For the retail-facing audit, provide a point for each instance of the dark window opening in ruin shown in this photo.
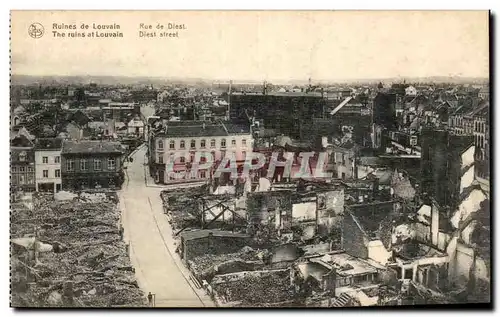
(408, 274)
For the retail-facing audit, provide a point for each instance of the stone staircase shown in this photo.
(342, 300)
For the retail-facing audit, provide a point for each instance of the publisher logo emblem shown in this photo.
(36, 30)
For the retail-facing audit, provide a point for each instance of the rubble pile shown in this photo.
(182, 208)
(88, 264)
(256, 289)
(205, 267)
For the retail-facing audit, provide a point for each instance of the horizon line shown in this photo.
(256, 80)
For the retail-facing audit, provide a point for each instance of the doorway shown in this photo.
(161, 176)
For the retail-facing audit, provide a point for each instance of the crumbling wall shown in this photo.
(422, 232)
(464, 258)
(353, 239)
(305, 211)
(378, 252)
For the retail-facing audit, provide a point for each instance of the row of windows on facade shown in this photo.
(45, 159)
(201, 174)
(182, 144)
(57, 173)
(203, 159)
(21, 180)
(479, 141)
(22, 169)
(70, 164)
(478, 126)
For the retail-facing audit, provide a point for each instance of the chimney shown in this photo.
(434, 224)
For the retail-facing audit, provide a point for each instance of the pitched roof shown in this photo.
(205, 130)
(80, 117)
(48, 144)
(20, 141)
(90, 147)
(480, 109)
(466, 106)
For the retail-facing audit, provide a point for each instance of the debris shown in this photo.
(63, 195)
(89, 265)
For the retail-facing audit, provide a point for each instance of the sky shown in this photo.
(258, 45)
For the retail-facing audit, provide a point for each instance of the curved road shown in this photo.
(158, 268)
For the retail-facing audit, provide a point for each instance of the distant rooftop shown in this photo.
(90, 147)
(281, 94)
(199, 129)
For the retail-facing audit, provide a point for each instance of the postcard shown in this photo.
(250, 159)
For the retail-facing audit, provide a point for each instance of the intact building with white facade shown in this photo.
(185, 138)
(48, 165)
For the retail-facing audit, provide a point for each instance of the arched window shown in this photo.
(233, 142)
(212, 143)
(172, 145)
(183, 144)
(193, 144)
(223, 143)
(202, 144)
(160, 145)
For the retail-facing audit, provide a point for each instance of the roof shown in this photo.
(79, 117)
(91, 147)
(48, 144)
(205, 130)
(283, 94)
(264, 133)
(22, 131)
(481, 109)
(467, 105)
(20, 141)
(199, 234)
